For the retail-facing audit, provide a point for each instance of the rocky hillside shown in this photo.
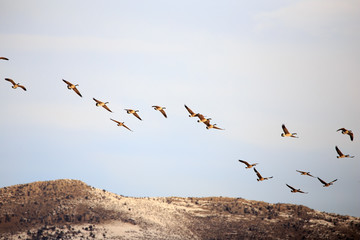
(70, 209)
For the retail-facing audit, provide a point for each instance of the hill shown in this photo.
(70, 209)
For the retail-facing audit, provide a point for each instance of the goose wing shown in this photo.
(189, 110)
(322, 181)
(67, 82)
(245, 162)
(106, 107)
(97, 100)
(115, 121)
(214, 126)
(136, 115)
(77, 91)
(285, 129)
(163, 112)
(302, 172)
(341, 129)
(126, 127)
(338, 151)
(10, 80)
(290, 187)
(200, 116)
(257, 173)
(21, 86)
(333, 181)
(351, 134)
(301, 191)
(4, 58)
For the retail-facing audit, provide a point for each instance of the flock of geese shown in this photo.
(206, 121)
(286, 133)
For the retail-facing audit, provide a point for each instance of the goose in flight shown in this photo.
(248, 165)
(348, 132)
(192, 114)
(294, 190)
(121, 124)
(133, 112)
(4, 58)
(305, 173)
(209, 125)
(286, 133)
(72, 86)
(161, 109)
(341, 155)
(202, 118)
(260, 178)
(325, 183)
(15, 85)
(102, 104)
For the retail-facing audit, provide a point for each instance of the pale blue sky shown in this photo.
(250, 66)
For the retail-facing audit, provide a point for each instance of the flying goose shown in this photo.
(72, 86)
(161, 109)
(192, 114)
(260, 178)
(102, 104)
(294, 190)
(286, 133)
(15, 85)
(209, 125)
(202, 118)
(325, 183)
(341, 155)
(121, 124)
(305, 173)
(134, 112)
(348, 132)
(247, 164)
(4, 58)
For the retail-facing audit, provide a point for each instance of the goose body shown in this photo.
(209, 125)
(133, 112)
(305, 173)
(348, 132)
(341, 155)
(260, 178)
(161, 109)
(121, 124)
(192, 114)
(15, 85)
(286, 132)
(102, 104)
(294, 190)
(248, 165)
(327, 184)
(73, 87)
(202, 118)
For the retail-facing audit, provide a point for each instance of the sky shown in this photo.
(251, 66)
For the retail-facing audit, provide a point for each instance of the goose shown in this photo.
(247, 164)
(15, 85)
(294, 190)
(341, 155)
(102, 104)
(286, 133)
(305, 173)
(325, 183)
(4, 58)
(260, 178)
(209, 125)
(192, 114)
(72, 86)
(202, 118)
(161, 109)
(121, 124)
(134, 112)
(348, 132)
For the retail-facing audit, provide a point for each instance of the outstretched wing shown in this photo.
(341, 129)
(163, 112)
(4, 58)
(106, 107)
(21, 86)
(115, 121)
(77, 91)
(214, 126)
(189, 110)
(67, 82)
(300, 172)
(257, 173)
(322, 181)
(126, 127)
(338, 151)
(290, 187)
(136, 115)
(97, 100)
(245, 162)
(333, 181)
(10, 80)
(285, 129)
(351, 134)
